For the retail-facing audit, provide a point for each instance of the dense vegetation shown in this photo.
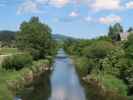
(24, 55)
(17, 62)
(7, 38)
(106, 60)
(36, 38)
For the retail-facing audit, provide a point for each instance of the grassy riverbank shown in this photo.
(99, 86)
(12, 81)
(106, 65)
(29, 54)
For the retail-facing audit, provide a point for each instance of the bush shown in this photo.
(98, 49)
(17, 61)
(111, 83)
(83, 65)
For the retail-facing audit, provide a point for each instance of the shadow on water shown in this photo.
(40, 89)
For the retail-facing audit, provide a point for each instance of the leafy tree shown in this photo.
(35, 37)
(114, 32)
(130, 30)
(128, 46)
(98, 49)
(7, 37)
(116, 63)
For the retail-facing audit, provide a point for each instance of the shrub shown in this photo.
(98, 49)
(50, 59)
(111, 83)
(84, 66)
(17, 61)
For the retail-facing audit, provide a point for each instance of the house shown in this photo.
(124, 35)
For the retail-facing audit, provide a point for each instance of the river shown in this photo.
(62, 84)
(64, 80)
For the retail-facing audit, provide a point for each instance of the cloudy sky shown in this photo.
(78, 18)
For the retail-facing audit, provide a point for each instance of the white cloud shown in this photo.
(32, 6)
(42, 1)
(81, 1)
(73, 14)
(130, 5)
(106, 5)
(28, 7)
(110, 19)
(59, 3)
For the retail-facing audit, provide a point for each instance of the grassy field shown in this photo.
(6, 51)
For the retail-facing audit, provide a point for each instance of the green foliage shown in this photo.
(35, 37)
(116, 63)
(114, 32)
(17, 78)
(100, 55)
(130, 30)
(6, 51)
(7, 38)
(17, 61)
(83, 65)
(112, 83)
(98, 49)
(128, 46)
(112, 62)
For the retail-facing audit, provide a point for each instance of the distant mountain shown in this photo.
(7, 35)
(60, 37)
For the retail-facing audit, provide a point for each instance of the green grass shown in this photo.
(5, 51)
(6, 76)
(81, 65)
(111, 83)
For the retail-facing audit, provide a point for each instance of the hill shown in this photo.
(7, 36)
(60, 37)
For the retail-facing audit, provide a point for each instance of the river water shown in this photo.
(61, 84)
(64, 80)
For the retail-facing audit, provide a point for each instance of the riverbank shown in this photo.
(13, 81)
(98, 86)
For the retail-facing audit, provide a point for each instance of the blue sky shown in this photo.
(78, 18)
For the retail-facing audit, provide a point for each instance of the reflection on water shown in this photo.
(62, 85)
(64, 81)
(39, 90)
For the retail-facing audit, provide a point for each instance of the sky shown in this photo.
(77, 18)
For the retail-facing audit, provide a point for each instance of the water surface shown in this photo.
(62, 84)
(64, 80)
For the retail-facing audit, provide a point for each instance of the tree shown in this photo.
(128, 46)
(114, 32)
(7, 38)
(98, 49)
(35, 37)
(130, 30)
